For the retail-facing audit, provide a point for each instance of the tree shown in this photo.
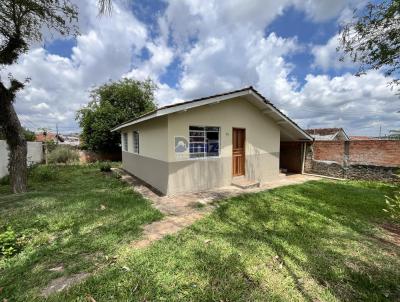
(21, 23)
(28, 134)
(394, 134)
(112, 104)
(372, 38)
(105, 7)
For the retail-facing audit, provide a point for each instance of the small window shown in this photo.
(125, 141)
(203, 141)
(136, 142)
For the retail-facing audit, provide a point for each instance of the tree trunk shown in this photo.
(15, 138)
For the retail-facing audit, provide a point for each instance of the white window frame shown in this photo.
(125, 142)
(135, 142)
(205, 156)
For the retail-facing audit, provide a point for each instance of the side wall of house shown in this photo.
(151, 163)
(262, 146)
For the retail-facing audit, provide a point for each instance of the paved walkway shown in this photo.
(183, 210)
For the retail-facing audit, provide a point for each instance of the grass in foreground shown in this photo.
(319, 241)
(78, 218)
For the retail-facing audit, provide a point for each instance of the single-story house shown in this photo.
(48, 136)
(328, 134)
(212, 142)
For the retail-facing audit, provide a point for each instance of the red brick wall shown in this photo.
(368, 152)
(329, 150)
(375, 152)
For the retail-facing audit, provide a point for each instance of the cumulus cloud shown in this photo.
(326, 56)
(218, 46)
(59, 85)
(359, 104)
(323, 10)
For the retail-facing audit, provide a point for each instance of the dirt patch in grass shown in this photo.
(393, 231)
(62, 283)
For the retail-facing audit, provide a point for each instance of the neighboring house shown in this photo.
(71, 140)
(210, 142)
(48, 136)
(328, 134)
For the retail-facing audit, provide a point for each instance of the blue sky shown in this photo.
(192, 48)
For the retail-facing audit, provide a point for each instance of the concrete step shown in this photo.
(244, 183)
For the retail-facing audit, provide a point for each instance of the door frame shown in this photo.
(244, 151)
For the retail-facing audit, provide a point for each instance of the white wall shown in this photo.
(35, 155)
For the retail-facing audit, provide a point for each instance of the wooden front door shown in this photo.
(238, 151)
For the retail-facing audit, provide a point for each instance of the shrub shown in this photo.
(393, 205)
(42, 173)
(5, 181)
(116, 175)
(9, 245)
(105, 166)
(63, 154)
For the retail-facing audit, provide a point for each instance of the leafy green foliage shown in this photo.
(5, 180)
(394, 134)
(112, 104)
(393, 206)
(372, 38)
(8, 243)
(63, 155)
(105, 167)
(28, 134)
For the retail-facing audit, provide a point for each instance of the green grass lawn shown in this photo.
(78, 217)
(319, 241)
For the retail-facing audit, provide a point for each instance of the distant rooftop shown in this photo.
(328, 134)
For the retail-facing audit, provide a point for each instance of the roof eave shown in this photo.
(216, 99)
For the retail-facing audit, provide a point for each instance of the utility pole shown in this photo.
(380, 131)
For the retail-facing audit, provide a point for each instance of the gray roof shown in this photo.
(294, 131)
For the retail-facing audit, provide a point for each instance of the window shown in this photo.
(125, 141)
(203, 141)
(136, 142)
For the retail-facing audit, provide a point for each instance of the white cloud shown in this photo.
(221, 45)
(323, 10)
(104, 51)
(161, 56)
(327, 57)
(40, 106)
(359, 104)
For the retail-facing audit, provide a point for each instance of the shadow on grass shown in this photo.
(310, 242)
(76, 221)
(323, 221)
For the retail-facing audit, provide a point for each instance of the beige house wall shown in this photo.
(158, 164)
(153, 138)
(262, 146)
(150, 164)
(152, 171)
